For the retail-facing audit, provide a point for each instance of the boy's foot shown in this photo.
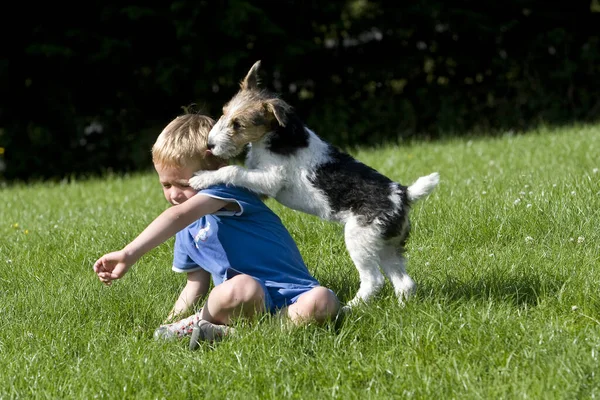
(208, 332)
(164, 333)
(177, 329)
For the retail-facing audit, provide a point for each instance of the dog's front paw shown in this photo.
(225, 175)
(203, 179)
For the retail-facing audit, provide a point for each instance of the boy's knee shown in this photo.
(325, 300)
(243, 289)
(239, 296)
(318, 304)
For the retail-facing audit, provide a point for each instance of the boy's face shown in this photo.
(174, 181)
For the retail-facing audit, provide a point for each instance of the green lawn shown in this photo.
(506, 253)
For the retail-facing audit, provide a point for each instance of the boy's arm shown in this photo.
(114, 265)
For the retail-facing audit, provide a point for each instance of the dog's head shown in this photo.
(250, 115)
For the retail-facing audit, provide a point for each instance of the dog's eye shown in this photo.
(235, 124)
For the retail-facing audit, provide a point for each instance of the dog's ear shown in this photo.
(251, 80)
(279, 109)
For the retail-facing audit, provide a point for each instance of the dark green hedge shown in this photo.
(87, 88)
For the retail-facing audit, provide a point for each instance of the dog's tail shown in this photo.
(423, 186)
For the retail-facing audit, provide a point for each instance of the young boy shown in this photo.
(224, 232)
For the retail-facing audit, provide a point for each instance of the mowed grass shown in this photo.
(506, 254)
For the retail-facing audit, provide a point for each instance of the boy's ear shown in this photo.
(279, 109)
(251, 80)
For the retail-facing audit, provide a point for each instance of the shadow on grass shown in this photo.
(518, 288)
(523, 290)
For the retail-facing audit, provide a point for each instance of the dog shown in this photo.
(290, 163)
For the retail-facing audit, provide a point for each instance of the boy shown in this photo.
(224, 232)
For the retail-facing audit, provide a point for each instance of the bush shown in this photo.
(90, 93)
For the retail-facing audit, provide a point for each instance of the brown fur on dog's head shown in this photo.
(251, 81)
(250, 114)
(253, 104)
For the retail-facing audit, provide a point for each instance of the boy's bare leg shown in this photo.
(173, 327)
(240, 296)
(197, 286)
(318, 304)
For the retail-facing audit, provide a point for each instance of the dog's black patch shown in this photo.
(288, 139)
(397, 224)
(353, 186)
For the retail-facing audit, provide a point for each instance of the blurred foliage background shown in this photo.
(88, 87)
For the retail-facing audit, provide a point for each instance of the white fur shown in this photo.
(287, 179)
(423, 186)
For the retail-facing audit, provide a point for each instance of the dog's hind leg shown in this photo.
(393, 265)
(363, 244)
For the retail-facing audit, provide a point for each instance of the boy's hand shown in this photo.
(112, 266)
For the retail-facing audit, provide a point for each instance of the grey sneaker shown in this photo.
(164, 333)
(208, 332)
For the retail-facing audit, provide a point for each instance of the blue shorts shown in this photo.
(277, 298)
(277, 294)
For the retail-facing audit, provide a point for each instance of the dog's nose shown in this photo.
(210, 146)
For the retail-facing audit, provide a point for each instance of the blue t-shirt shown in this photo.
(252, 241)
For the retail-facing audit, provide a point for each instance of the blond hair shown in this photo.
(183, 143)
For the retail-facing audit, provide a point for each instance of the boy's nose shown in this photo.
(176, 196)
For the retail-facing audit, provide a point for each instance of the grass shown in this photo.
(505, 252)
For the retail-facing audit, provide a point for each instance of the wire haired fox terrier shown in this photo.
(289, 162)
